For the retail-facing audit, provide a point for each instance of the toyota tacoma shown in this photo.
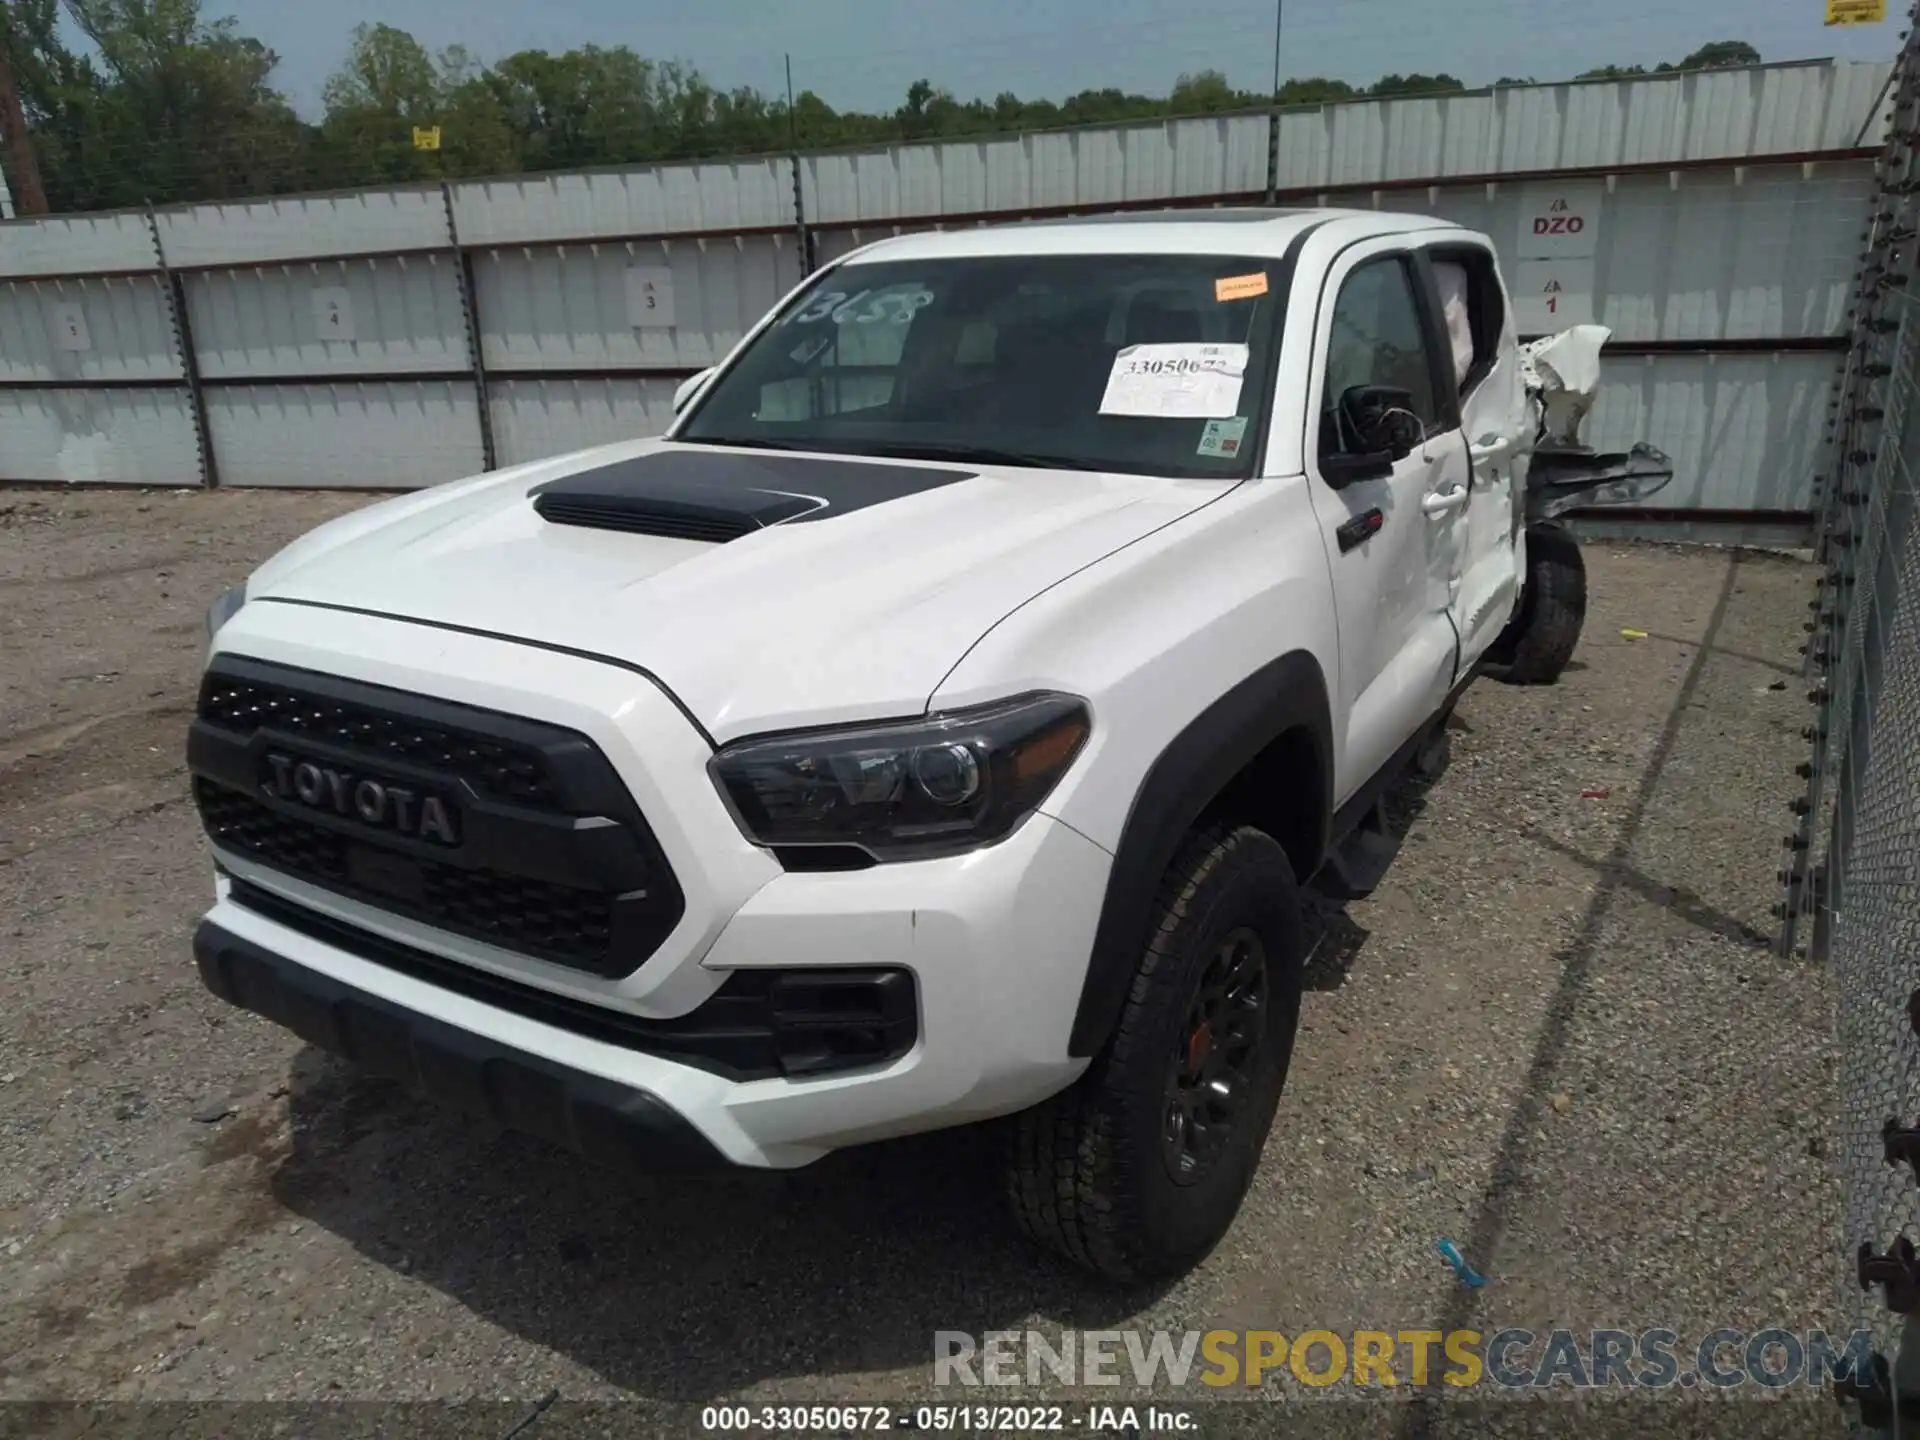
(949, 719)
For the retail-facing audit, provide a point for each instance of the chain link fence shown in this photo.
(1852, 871)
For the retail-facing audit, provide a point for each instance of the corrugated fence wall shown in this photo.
(397, 338)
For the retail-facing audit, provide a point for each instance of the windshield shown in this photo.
(1151, 364)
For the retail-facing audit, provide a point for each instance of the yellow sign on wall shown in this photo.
(1856, 12)
(428, 137)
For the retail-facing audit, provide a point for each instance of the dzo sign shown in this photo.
(1559, 222)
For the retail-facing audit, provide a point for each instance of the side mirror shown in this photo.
(1340, 471)
(1373, 427)
(1380, 418)
(688, 388)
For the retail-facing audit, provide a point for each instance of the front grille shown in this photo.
(757, 1025)
(554, 922)
(509, 772)
(544, 852)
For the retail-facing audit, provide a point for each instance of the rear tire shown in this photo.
(1541, 638)
(1137, 1171)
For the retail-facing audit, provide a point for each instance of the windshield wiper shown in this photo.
(979, 454)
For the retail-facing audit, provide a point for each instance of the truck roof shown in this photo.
(1227, 231)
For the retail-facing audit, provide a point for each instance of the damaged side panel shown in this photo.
(1562, 376)
(1566, 479)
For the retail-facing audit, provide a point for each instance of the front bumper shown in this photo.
(996, 942)
(612, 1124)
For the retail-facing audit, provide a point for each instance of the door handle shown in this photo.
(1359, 529)
(1441, 501)
(1491, 447)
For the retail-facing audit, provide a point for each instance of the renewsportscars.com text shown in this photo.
(1510, 1359)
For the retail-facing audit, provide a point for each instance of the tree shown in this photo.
(183, 106)
(23, 165)
(1316, 91)
(388, 71)
(585, 107)
(1390, 86)
(1205, 94)
(389, 87)
(816, 124)
(1720, 55)
(167, 106)
(913, 114)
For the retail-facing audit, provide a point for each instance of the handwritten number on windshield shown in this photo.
(890, 308)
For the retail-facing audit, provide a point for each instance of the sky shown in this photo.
(862, 54)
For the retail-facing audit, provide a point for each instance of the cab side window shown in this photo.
(1378, 344)
(1473, 310)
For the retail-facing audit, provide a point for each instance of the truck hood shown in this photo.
(821, 588)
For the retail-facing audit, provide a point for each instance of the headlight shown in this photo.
(908, 790)
(225, 608)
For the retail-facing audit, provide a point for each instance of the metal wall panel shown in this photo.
(655, 200)
(830, 245)
(1773, 110)
(402, 435)
(296, 227)
(567, 308)
(76, 245)
(349, 317)
(533, 419)
(125, 437)
(106, 328)
(1700, 255)
(1744, 431)
(1772, 256)
(1753, 253)
(1162, 160)
(1799, 107)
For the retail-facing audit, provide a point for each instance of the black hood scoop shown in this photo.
(715, 495)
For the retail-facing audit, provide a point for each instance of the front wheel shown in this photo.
(1541, 638)
(1138, 1170)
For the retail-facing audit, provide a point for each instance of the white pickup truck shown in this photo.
(939, 724)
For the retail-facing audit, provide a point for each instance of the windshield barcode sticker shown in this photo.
(1176, 382)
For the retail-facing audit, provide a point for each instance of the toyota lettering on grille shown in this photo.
(378, 803)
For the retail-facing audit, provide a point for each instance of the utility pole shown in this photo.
(793, 121)
(28, 196)
(800, 230)
(1273, 113)
(1278, 7)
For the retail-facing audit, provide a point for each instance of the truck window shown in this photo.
(1377, 339)
(1149, 363)
(1470, 300)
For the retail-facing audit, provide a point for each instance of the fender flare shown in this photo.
(1287, 694)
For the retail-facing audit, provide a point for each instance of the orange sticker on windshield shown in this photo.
(1240, 287)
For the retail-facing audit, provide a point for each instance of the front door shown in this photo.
(1483, 368)
(1395, 540)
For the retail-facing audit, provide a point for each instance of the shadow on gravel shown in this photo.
(679, 1288)
(1508, 1182)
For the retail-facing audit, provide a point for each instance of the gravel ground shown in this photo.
(1555, 1035)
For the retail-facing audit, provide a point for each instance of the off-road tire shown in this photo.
(1541, 638)
(1088, 1176)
